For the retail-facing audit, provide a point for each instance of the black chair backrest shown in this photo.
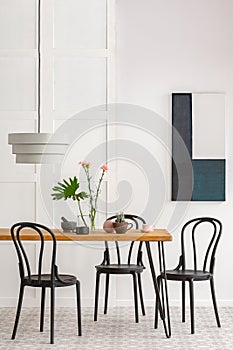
(24, 262)
(215, 230)
(135, 220)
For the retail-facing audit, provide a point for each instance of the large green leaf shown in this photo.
(67, 189)
(82, 195)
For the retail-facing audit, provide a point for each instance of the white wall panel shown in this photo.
(90, 146)
(79, 24)
(77, 67)
(79, 83)
(90, 137)
(17, 24)
(18, 200)
(17, 84)
(9, 271)
(208, 111)
(10, 171)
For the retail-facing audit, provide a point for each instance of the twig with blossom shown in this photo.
(93, 198)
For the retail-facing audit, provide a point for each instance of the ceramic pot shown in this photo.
(122, 227)
(108, 226)
(82, 230)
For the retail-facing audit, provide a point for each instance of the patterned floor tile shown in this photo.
(117, 330)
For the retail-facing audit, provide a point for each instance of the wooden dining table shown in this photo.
(157, 235)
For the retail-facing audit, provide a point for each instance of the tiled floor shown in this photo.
(117, 330)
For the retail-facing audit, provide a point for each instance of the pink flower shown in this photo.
(84, 163)
(104, 168)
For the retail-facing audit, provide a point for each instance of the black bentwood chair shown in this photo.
(182, 274)
(107, 268)
(43, 281)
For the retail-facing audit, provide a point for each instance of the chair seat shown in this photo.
(120, 269)
(46, 281)
(182, 275)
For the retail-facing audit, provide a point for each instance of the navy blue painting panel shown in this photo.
(209, 180)
(175, 182)
(181, 158)
(182, 119)
(182, 181)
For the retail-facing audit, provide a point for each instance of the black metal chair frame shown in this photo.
(41, 280)
(180, 273)
(107, 268)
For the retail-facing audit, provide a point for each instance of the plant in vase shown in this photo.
(120, 225)
(68, 189)
(93, 195)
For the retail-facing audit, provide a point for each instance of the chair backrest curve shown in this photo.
(209, 257)
(135, 219)
(24, 261)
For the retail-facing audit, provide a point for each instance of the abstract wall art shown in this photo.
(198, 147)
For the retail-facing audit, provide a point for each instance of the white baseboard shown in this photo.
(12, 302)
(60, 302)
(204, 303)
(89, 302)
(176, 302)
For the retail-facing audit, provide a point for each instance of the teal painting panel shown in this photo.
(209, 179)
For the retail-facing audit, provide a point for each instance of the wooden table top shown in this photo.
(157, 235)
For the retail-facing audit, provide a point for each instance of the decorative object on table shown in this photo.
(133, 269)
(50, 280)
(68, 190)
(38, 148)
(147, 228)
(200, 266)
(68, 226)
(120, 225)
(82, 230)
(198, 147)
(93, 195)
(108, 227)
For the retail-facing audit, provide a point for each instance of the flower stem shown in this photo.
(86, 169)
(81, 213)
(92, 218)
(92, 198)
(98, 188)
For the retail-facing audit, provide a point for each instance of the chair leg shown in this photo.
(20, 301)
(191, 305)
(141, 294)
(79, 308)
(214, 302)
(52, 315)
(135, 297)
(157, 305)
(106, 293)
(96, 295)
(42, 309)
(183, 301)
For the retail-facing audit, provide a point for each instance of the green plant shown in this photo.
(120, 217)
(68, 190)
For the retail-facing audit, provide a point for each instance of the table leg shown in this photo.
(161, 304)
(164, 289)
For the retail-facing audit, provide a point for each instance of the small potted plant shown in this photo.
(120, 225)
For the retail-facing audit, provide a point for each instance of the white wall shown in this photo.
(162, 46)
(179, 45)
